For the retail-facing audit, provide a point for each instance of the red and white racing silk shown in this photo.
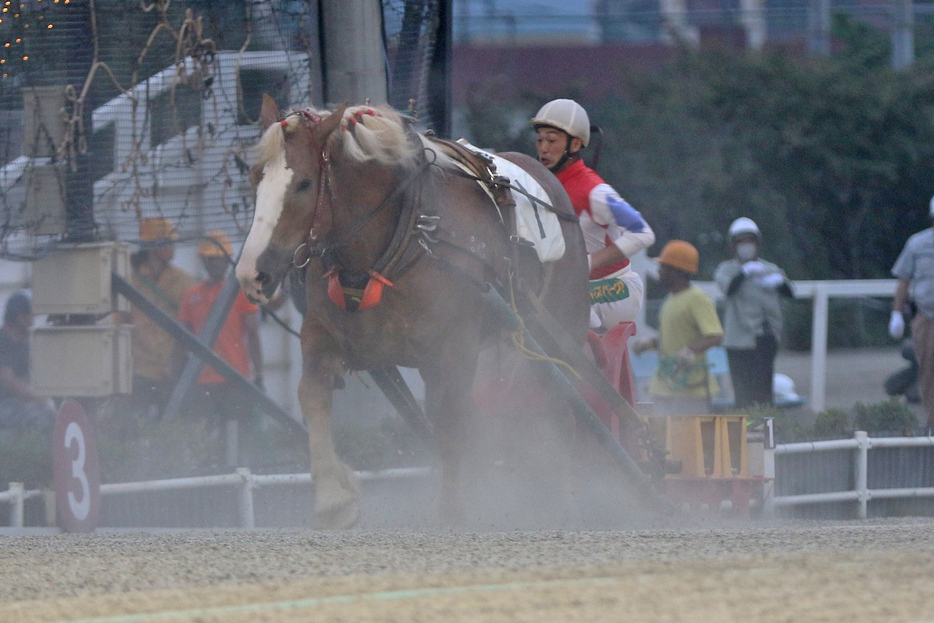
(605, 217)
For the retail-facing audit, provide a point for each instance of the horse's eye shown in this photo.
(303, 186)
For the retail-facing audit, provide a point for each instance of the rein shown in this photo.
(355, 289)
(324, 180)
(572, 218)
(397, 191)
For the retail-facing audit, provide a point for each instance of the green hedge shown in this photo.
(26, 458)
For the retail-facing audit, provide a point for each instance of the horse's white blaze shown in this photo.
(270, 200)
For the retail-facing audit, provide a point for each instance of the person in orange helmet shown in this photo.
(687, 326)
(238, 343)
(163, 283)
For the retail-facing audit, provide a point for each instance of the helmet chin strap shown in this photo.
(567, 155)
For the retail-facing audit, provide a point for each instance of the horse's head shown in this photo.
(287, 178)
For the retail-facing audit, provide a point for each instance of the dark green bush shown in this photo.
(26, 458)
(165, 449)
(832, 423)
(890, 416)
(851, 323)
(788, 427)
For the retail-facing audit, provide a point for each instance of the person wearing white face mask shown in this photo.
(752, 324)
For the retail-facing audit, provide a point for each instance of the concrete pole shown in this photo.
(819, 350)
(79, 211)
(675, 26)
(819, 27)
(903, 35)
(354, 62)
(752, 16)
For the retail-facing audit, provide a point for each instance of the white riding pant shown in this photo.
(616, 298)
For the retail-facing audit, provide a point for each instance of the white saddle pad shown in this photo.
(535, 222)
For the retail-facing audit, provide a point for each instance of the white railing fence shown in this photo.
(857, 490)
(242, 480)
(861, 494)
(16, 496)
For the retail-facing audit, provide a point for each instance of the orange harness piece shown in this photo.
(356, 299)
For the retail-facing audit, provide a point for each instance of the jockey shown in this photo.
(613, 230)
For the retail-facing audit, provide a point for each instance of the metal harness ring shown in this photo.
(295, 255)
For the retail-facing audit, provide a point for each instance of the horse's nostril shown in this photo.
(262, 277)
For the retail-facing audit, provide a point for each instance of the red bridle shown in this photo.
(372, 293)
(324, 164)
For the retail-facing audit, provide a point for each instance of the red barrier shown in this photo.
(611, 354)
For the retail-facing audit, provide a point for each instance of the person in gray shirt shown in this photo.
(752, 324)
(914, 270)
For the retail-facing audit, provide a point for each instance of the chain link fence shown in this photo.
(112, 111)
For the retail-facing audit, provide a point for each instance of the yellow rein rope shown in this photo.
(518, 338)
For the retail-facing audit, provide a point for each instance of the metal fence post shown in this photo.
(17, 499)
(245, 498)
(819, 349)
(768, 467)
(861, 468)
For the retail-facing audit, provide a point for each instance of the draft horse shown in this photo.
(394, 242)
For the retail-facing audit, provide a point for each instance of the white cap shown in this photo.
(565, 115)
(744, 225)
(783, 387)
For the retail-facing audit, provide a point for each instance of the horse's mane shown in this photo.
(367, 134)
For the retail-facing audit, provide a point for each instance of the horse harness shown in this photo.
(415, 233)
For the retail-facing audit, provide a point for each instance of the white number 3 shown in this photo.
(79, 508)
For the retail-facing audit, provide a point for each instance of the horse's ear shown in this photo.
(329, 124)
(269, 113)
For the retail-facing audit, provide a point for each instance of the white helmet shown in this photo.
(744, 225)
(565, 115)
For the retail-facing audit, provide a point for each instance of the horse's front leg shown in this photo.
(336, 492)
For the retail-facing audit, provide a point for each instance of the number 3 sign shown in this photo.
(77, 470)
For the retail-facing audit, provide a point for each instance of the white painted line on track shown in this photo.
(297, 604)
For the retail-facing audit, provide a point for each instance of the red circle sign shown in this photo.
(77, 470)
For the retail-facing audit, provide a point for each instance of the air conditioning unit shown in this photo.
(77, 279)
(43, 126)
(91, 360)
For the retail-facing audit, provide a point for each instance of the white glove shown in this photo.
(755, 267)
(896, 325)
(595, 322)
(686, 357)
(640, 345)
(770, 281)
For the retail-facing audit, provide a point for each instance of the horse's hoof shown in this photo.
(339, 517)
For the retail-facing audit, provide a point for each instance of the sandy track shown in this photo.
(875, 571)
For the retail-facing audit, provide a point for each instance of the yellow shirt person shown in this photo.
(688, 326)
(685, 318)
